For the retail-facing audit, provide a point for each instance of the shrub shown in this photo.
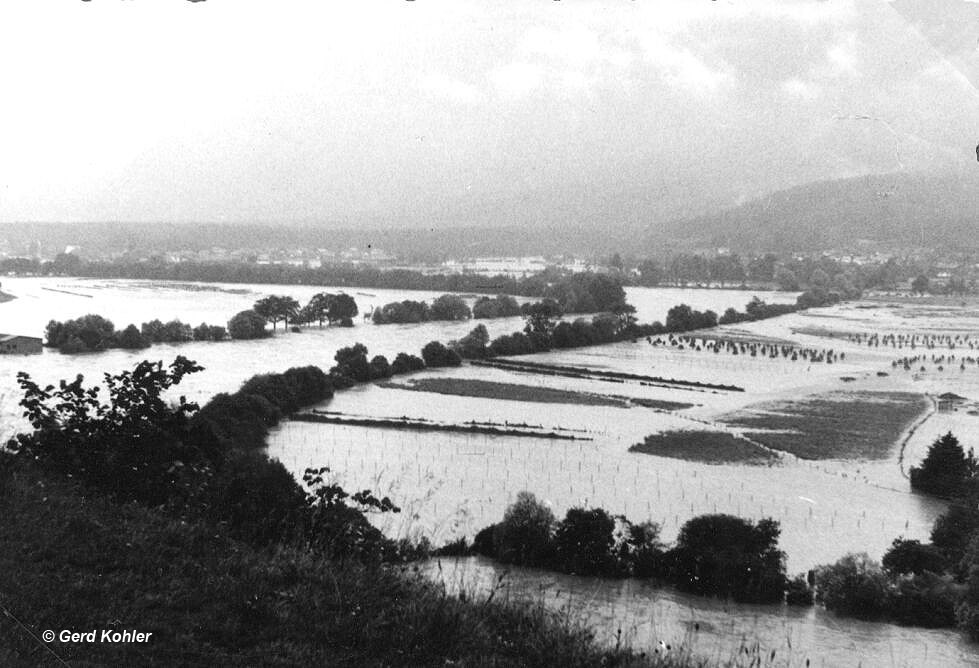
(911, 557)
(500, 306)
(352, 363)
(247, 325)
(131, 339)
(798, 592)
(379, 367)
(583, 542)
(728, 556)
(954, 529)
(474, 344)
(855, 586)
(524, 535)
(405, 363)
(449, 307)
(88, 333)
(435, 355)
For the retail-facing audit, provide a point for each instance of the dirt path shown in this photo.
(912, 429)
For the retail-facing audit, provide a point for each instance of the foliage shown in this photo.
(277, 307)
(911, 557)
(682, 318)
(132, 339)
(855, 586)
(88, 333)
(406, 311)
(946, 470)
(728, 556)
(500, 306)
(405, 363)
(954, 529)
(435, 355)
(247, 325)
(474, 344)
(131, 447)
(352, 363)
(524, 535)
(449, 307)
(583, 542)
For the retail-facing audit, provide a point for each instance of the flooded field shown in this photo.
(829, 500)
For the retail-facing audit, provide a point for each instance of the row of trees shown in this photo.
(93, 333)
(322, 307)
(445, 307)
(717, 555)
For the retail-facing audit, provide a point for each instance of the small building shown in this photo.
(13, 344)
(948, 401)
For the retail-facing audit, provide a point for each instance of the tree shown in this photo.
(650, 272)
(247, 325)
(728, 556)
(946, 470)
(954, 529)
(855, 586)
(404, 363)
(910, 556)
(131, 339)
(540, 316)
(583, 542)
(352, 363)
(277, 307)
(920, 284)
(473, 345)
(342, 308)
(379, 367)
(449, 307)
(435, 355)
(786, 279)
(524, 535)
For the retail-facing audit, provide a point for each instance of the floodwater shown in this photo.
(452, 484)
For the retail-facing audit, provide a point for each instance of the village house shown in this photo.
(13, 344)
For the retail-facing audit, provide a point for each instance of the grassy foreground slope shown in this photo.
(71, 561)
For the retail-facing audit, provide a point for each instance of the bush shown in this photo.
(524, 535)
(379, 368)
(473, 345)
(728, 556)
(583, 542)
(88, 333)
(405, 363)
(449, 307)
(435, 355)
(401, 312)
(798, 592)
(954, 529)
(352, 363)
(911, 557)
(247, 325)
(131, 339)
(855, 586)
(501, 306)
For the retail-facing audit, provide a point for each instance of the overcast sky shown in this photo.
(240, 110)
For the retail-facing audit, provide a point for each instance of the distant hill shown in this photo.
(893, 210)
(900, 210)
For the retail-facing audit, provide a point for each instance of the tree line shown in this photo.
(714, 555)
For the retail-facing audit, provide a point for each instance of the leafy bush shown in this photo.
(131, 447)
(379, 367)
(88, 333)
(449, 307)
(728, 556)
(524, 535)
(911, 557)
(500, 306)
(473, 345)
(247, 325)
(435, 355)
(401, 312)
(132, 339)
(583, 542)
(405, 363)
(855, 586)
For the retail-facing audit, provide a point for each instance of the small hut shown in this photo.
(948, 401)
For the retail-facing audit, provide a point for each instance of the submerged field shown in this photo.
(839, 425)
(484, 389)
(709, 447)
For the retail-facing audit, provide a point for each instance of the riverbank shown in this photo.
(210, 600)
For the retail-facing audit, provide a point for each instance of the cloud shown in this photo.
(517, 79)
(451, 89)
